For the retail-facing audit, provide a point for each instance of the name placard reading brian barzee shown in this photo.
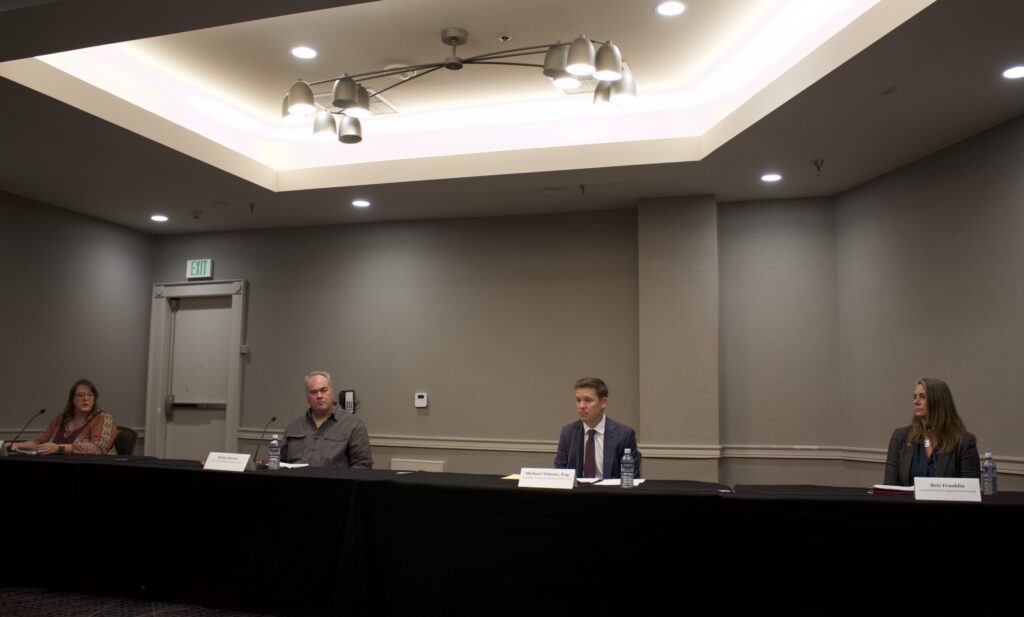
(226, 461)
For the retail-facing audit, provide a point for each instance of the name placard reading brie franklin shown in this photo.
(534, 477)
(226, 461)
(947, 489)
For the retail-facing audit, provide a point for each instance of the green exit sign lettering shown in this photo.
(198, 269)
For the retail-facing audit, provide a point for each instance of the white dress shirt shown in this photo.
(598, 447)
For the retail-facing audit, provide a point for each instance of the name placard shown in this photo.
(534, 477)
(947, 489)
(226, 461)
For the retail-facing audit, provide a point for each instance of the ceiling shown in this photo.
(865, 86)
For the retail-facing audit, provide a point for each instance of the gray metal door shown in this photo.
(199, 377)
(195, 369)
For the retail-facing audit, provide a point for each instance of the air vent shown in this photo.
(379, 105)
(587, 86)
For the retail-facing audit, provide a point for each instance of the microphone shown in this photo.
(33, 417)
(568, 455)
(260, 443)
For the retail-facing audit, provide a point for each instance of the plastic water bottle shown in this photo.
(988, 476)
(626, 469)
(274, 453)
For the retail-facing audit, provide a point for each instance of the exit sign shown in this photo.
(198, 269)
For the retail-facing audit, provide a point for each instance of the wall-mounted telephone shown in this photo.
(347, 400)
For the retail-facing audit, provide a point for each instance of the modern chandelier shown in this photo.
(564, 63)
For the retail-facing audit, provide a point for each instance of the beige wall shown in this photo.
(779, 313)
(494, 318)
(76, 305)
(678, 298)
(931, 260)
(784, 335)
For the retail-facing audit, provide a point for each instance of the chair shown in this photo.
(124, 442)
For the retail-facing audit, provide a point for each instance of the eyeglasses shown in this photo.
(81, 395)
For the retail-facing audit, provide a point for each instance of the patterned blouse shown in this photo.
(96, 437)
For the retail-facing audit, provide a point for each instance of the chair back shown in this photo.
(124, 442)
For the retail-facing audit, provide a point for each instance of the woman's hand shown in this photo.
(47, 448)
(25, 446)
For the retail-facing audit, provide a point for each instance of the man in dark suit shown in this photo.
(595, 444)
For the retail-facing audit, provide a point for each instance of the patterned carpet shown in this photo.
(21, 602)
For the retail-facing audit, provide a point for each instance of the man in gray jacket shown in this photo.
(326, 436)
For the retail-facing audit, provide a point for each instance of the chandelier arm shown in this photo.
(395, 85)
(368, 75)
(494, 55)
(525, 51)
(521, 51)
(538, 66)
(395, 71)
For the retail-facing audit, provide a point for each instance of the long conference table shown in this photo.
(361, 542)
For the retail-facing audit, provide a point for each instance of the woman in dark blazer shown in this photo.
(935, 444)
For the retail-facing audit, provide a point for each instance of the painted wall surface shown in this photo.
(793, 329)
(77, 306)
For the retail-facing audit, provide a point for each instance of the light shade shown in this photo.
(554, 67)
(324, 127)
(350, 130)
(287, 116)
(345, 92)
(300, 99)
(608, 64)
(361, 107)
(580, 60)
(602, 93)
(555, 60)
(624, 90)
(566, 82)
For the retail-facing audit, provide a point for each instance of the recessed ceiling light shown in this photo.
(1014, 72)
(772, 177)
(159, 218)
(671, 8)
(306, 53)
(361, 203)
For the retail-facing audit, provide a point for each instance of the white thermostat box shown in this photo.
(420, 400)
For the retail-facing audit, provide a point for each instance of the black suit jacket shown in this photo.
(961, 462)
(617, 437)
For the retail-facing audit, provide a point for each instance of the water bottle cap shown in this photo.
(274, 436)
(988, 455)
(628, 450)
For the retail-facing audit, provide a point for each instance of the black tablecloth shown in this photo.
(323, 542)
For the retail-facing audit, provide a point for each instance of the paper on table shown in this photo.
(892, 488)
(285, 465)
(617, 482)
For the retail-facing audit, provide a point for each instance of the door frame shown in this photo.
(160, 348)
